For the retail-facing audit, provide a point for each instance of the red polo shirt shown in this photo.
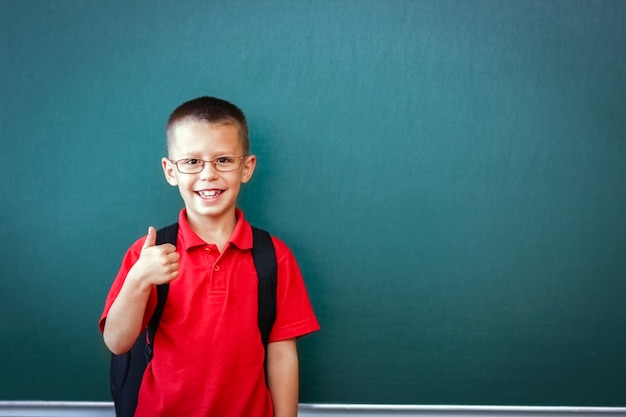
(208, 356)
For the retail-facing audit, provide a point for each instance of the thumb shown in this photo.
(151, 238)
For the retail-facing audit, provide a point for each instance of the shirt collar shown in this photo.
(241, 237)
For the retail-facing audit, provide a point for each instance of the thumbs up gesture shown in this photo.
(157, 264)
(150, 238)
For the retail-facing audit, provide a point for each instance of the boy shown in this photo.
(209, 358)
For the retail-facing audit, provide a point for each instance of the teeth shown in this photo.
(208, 194)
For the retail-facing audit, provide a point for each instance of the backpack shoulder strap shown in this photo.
(264, 257)
(168, 234)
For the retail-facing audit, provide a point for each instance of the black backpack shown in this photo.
(128, 368)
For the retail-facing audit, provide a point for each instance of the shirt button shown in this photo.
(216, 268)
(207, 249)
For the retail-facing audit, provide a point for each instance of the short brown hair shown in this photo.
(212, 110)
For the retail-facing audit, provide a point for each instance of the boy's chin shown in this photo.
(214, 212)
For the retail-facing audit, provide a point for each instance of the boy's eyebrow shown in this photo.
(200, 155)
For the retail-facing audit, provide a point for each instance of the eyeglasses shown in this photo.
(222, 163)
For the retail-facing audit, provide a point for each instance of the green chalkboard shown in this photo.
(451, 176)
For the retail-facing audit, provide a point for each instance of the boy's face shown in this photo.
(209, 195)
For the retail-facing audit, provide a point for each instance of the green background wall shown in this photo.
(450, 174)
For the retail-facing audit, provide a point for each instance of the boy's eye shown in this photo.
(224, 160)
(192, 162)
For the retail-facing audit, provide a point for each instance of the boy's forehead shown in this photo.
(191, 131)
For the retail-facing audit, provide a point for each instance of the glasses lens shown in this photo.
(190, 166)
(227, 163)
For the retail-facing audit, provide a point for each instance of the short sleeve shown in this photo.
(294, 313)
(131, 256)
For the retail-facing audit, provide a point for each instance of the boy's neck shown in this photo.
(214, 231)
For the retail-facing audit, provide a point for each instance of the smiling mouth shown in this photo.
(209, 194)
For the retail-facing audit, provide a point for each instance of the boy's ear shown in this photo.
(168, 170)
(248, 168)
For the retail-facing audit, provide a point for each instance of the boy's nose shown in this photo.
(208, 170)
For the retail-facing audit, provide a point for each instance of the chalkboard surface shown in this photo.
(451, 176)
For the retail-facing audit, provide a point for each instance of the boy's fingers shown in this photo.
(151, 238)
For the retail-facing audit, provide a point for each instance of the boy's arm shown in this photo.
(282, 376)
(156, 265)
(125, 317)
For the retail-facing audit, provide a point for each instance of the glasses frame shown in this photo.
(212, 162)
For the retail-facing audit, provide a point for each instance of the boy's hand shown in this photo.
(157, 264)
